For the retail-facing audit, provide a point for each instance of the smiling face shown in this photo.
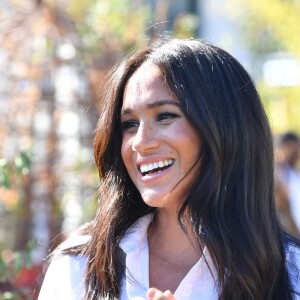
(159, 145)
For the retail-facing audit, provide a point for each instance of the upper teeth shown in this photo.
(156, 165)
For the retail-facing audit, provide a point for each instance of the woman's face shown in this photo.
(159, 145)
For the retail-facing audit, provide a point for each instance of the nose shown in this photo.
(145, 139)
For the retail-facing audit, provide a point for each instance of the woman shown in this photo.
(287, 181)
(185, 157)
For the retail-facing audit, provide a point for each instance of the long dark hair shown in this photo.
(231, 205)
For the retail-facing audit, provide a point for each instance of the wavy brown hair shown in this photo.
(232, 199)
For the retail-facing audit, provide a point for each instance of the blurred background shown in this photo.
(54, 56)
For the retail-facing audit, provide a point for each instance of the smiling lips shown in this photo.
(155, 167)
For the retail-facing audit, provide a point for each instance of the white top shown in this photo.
(290, 177)
(65, 277)
(293, 187)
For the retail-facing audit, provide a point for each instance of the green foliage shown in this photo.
(11, 264)
(271, 25)
(15, 169)
(13, 179)
(108, 27)
(185, 26)
(274, 26)
(283, 107)
(4, 178)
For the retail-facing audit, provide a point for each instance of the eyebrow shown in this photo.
(152, 105)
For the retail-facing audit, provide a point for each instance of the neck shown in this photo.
(167, 239)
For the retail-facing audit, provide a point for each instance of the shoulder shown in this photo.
(292, 250)
(293, 264)
(64, 278)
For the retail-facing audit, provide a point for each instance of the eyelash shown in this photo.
(164, 116)
(129, 124)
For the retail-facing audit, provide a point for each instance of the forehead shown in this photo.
(145, 85)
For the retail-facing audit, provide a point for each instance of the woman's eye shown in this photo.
(129, 124)
(165, 116)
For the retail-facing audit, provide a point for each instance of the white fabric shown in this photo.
(291, 179)
(65, 277)
(135, 245)
(293, 185)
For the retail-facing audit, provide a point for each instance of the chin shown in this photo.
(153, 200)
(159, 201)
(153, 203)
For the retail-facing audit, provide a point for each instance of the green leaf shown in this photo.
(4, 178)
(18, 262)
(23, 162)
(31, 245)
(4, 271)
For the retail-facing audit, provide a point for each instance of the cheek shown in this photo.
(188, 140)
(192, 149)
(126, 152)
